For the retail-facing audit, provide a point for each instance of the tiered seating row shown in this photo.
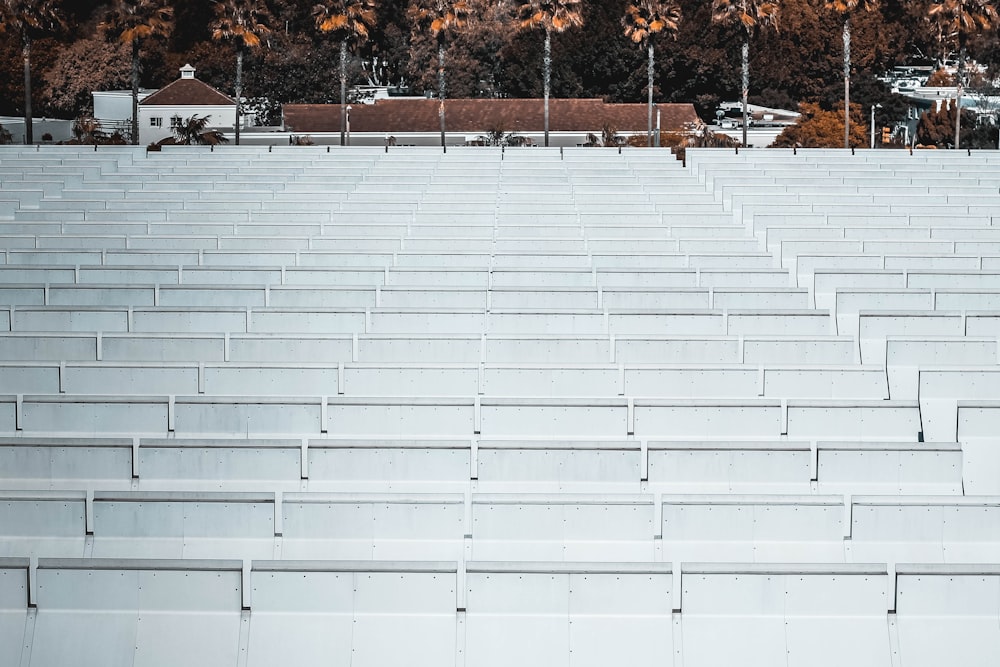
(545, 528)
(491, 465)
(440, 614)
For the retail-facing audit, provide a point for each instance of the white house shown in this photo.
(174, 103)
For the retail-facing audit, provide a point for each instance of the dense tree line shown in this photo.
(489, 52)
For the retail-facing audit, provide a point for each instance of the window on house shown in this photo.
(175, 122)
(156, 121)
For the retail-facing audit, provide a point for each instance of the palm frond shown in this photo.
(349, 20)
(554, 15)
(25, 17)
(244, 21)
(647, 18)
(131, 20)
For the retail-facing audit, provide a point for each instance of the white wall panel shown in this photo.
(33, 379)
(219, 415)
(342, 616)
(528, 417)
(512, 322)
(550, 381)
(811, 350)
(560, 529)
(63, 320)
(400, 417)
(554, 465)
(546, 349)
(306, 617)
(187, 321)
(303, 321)
(795, 323)
(979, 433)
(388, 464)
(888, 467)
(844, 382)
(17, 347)
(269, 380)
(793, 617)
(175, 462)
(107, 378)
(175, 525)
(138, 347)
(410, 380)
(396, 348)
(729, 467)
(369, 527)
(277, 348)
(517, 618)
(671, 350)
(753, 528)
(93, 415)
(707, 418)
(854, 420)
(39, 463)
(693, 382)
(86, 618)
(692, 323)
(417, 610)
(120, 615)
(616, 617)
(42, 524)
(13, 609)
(948, 614)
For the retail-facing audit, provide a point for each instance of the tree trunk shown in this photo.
(959, 76)
(239, 88)
(649, 110)
(343, 91)
(746, 82)
(547, 77)
(26, 53)
(847, 81)
(441, 90)
(135, 92)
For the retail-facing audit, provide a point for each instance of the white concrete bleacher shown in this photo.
(534, 406)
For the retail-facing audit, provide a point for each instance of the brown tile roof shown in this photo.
(188, 92)
(480, 115)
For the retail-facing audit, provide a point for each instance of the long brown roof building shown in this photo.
(476, 116)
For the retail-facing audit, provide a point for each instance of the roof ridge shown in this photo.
(151, 100)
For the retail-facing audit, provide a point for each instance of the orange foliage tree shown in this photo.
(818, 128)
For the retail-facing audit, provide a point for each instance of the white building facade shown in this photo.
(170, 106)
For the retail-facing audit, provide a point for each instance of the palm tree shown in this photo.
(244, 22)
(551, 16)
(845, 8)
(960, 18)
(748, 15)
(443, 18)
(349, 21)
(193, 131)
(27, 19)
(644, 20)
(131, 21)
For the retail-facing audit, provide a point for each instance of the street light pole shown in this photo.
(874, 106)
(348, 123)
